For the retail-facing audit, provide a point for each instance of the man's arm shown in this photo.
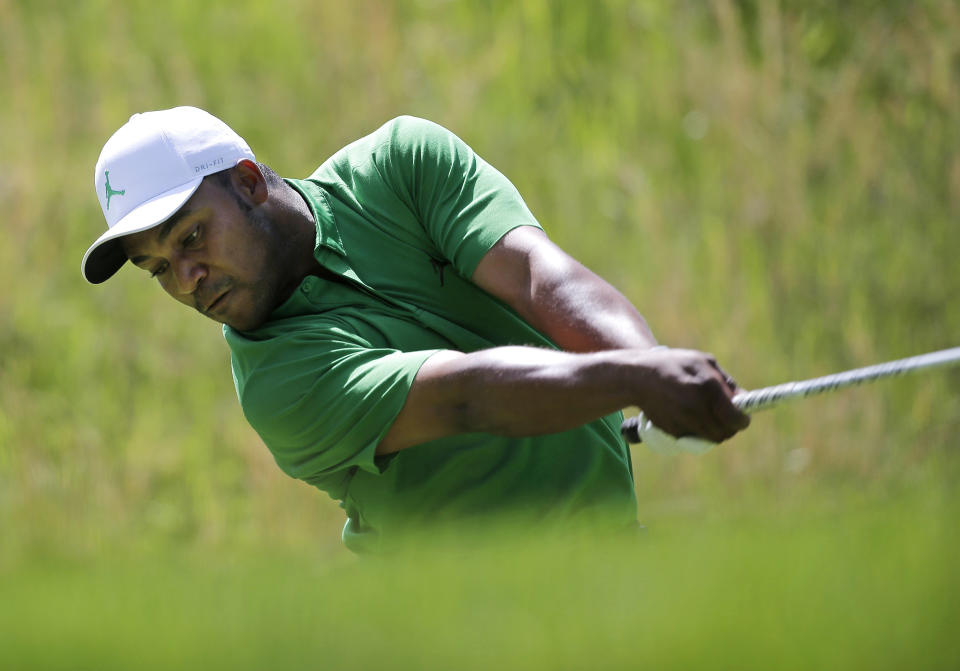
(521, 391)
(527, 391)
(558, 296)
(461, 201)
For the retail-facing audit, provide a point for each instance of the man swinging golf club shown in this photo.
(404, 336)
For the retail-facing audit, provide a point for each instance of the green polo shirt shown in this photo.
(403, 217)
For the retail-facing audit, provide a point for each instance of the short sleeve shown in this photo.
(322, 404)
(464, 203)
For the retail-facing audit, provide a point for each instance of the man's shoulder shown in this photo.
(404, 131)
(287, 340)
(273, 358)
(407, 125)
(397, 150)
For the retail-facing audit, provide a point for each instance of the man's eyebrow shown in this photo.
(164, 231)
(171, 222)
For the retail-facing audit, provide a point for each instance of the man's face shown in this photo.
(217, 255)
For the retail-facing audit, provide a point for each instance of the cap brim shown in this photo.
(106, 256)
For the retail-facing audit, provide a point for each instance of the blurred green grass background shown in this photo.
(777, 182)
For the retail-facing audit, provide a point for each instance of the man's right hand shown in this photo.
(686, 393)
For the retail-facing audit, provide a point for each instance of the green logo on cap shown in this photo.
(111, 191)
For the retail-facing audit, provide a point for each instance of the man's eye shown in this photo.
(192, 238)
(158, 270)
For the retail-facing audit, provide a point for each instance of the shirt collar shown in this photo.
(328, 235)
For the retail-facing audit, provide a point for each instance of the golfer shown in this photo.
(404, 336)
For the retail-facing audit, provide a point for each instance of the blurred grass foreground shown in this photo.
(872, 589)
(776, 182)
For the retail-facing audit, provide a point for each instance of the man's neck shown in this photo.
(298, 221)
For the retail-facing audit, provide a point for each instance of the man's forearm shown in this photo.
(512, 391)
(519, 391)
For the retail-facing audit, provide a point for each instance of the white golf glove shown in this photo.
(662, 442)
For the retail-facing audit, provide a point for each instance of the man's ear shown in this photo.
(249, 182)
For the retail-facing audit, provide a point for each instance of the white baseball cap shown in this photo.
(148, 169)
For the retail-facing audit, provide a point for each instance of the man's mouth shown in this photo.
(218, 301)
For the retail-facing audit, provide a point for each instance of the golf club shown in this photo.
(767, 397)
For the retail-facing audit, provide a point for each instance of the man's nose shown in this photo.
(189, 273)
